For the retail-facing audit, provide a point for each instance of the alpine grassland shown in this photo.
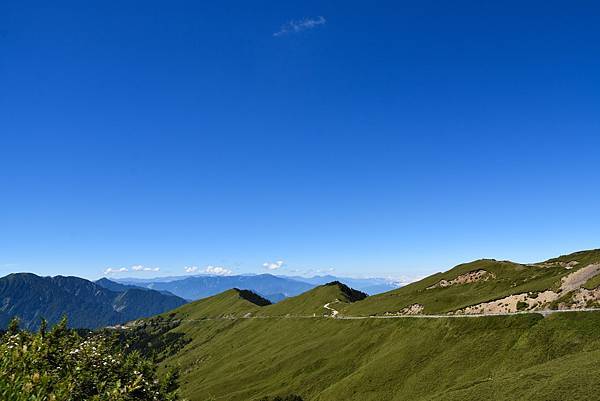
(333, 343)
(524, 357)
(507, 278)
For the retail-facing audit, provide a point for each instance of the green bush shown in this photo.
(61, 365)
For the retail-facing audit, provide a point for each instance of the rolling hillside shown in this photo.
(312, 302)
(229, 348)
(491, 286)
(231, 303)
(524, 357)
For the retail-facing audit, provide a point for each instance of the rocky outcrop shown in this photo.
(530, 301)
(467, 278)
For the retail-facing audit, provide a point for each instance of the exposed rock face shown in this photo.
(470, 277)
(578, 278)
(566, 265)
(583, 298)
(414, 309)
(511, 303)
(572, 283)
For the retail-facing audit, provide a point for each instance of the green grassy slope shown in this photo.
(523, 357)
(592, 283)
(277, 352)
(231, 303)
(583, 257)
(311, 302)
(510, 278)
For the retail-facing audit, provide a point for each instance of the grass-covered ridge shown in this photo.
(506, 278)
(312, 302)
(582, 257)
(524, 357)
(231, 303)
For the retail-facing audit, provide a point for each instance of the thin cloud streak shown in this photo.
(134, 269)
(296, 26)
(218, 270)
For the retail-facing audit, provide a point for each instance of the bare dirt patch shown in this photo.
(535, 301)
(470, 277)
(414, 309)
(566, 265)
(578, 278)
(582, 298)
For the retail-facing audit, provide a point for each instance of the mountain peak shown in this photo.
(349, 294)
(313, 302)
(252, 297)
(87, 304)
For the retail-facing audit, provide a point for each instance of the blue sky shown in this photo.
(372, 138)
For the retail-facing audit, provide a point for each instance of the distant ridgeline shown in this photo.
(273, 288)
(86, 304)
(106, 302)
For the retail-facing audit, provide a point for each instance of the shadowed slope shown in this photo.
(86, 304)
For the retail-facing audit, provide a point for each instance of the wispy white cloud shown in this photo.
(141, 268)
(191, 269)
(317, 271)
(218, 270)
(296, 26)
(404, 280)
(134, 268)
(274, 265)
(112, 270)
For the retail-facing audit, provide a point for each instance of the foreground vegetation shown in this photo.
(62, 365)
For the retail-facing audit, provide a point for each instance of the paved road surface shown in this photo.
(335, 314)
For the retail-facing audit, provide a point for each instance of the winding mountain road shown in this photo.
(334, 312)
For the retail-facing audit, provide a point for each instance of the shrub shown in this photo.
(61, 365)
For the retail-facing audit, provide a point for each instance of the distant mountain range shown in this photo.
(371, 286)
(108, 302)
(274, 288)
(268, 286)
(87, 304)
